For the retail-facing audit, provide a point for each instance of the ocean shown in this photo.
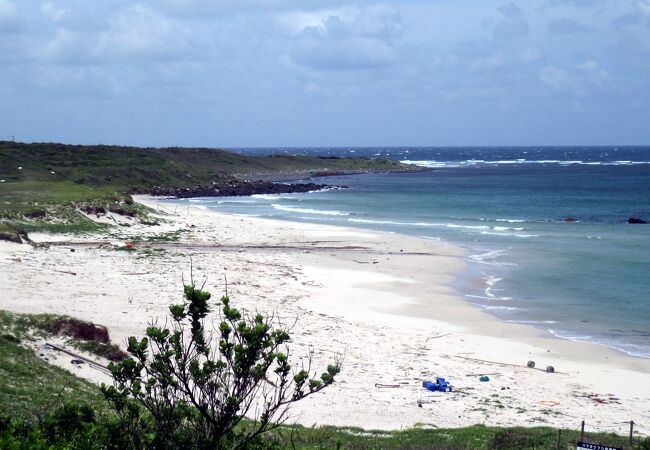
(587, 279)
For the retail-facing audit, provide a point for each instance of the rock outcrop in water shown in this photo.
(237, 188)
(635, 220)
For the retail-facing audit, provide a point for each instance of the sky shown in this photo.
(291, 73)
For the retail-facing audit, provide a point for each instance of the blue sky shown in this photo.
(326, 73)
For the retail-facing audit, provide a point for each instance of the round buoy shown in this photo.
(129, 245)
(550, 369)
(531, 364)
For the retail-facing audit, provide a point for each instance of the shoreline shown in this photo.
(392, 313)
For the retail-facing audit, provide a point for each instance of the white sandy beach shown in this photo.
(382, 300)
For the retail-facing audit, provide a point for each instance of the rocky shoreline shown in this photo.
(232, 189)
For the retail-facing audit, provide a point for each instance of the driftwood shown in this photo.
(91, 363)
(438, 336)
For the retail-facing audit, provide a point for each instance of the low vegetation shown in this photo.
(79, 334)
(47, 186)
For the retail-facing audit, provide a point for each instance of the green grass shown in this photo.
(30, 387)
(45, 183)
(131, 167)
(473, 437)
(54, 206)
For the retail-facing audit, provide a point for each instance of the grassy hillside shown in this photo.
(130, 167)
(43, 186)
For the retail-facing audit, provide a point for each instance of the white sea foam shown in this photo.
(501, 308)
(532, 322)
(308, 211)
(475, 162)
(491, 282)
(235, 201)
(631, 349)
(490, 258)
(390, 222)
(467, 227)
(270, 196)
(511, 235)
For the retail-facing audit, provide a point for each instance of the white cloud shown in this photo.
(347, 39)
(52, 12)
(141, 32)
(513, 23)
(8, 16)
(7, 8)
(530, 55)
(592, 71)
(556, 77)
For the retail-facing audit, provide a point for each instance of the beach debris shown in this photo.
(440, 385)
(437, 336)
(129, 245)
(605, 399)
(484, 379)
(66, 272)
(550, 369)
(531, 364)
(18, 259)
(385, 386)
(549, 402)
(85, 360)
(481, 374)
(422, 401)
(76, 362)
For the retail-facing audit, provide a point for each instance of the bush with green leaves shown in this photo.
(189, 385)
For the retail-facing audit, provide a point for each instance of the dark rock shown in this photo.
(96, 210)
(121, 211)
(636, 220)
(570, 219)
(232, 189)
(36, 214)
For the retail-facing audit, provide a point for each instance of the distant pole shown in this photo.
(582, 431)
(557, 443)
(631, 433)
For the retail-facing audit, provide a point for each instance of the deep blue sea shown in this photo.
(587, 280)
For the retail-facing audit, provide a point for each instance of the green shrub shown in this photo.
(188, 387)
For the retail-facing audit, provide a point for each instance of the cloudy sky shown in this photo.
(326, 73)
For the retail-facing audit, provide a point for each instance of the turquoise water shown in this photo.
(587, 281)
